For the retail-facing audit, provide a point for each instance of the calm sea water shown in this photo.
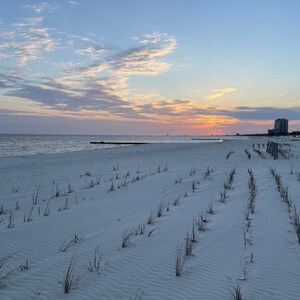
(11, 145)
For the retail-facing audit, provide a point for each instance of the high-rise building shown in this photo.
(281, 126)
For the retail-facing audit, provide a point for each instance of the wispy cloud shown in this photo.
(43, 6)
(220, 93)
(95, 52)
(142, 59)
(27, 40)
(72, 2)
(93, 98)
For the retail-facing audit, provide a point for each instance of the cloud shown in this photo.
(220, 93)
(72, 2)
(93, 69)
(140, 60)
(176, 109)
(28, 22)
(92, 98)
(28, 41)
(95, 52)
(106, 97)
(265, 113)
(43, 6)
(143, 59)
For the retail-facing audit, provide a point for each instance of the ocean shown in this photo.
(20, 145)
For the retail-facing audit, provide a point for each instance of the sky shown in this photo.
(195, 67)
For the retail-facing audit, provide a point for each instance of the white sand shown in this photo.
(146, 268)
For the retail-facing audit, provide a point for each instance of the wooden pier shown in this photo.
(118, 143)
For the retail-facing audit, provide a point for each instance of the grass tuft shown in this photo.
(210, 208)
(236, 293)
(69, 276)
(188, 246)
(179, 262)
(151, 218)
(95, 262)
(160, 209)
(201, 222)
(126, 238)
(5, 270)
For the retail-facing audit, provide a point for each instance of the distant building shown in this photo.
(270, 131)
(281, 127)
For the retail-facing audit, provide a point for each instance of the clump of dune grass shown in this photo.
(35, 196)
(246, 212)
(140, 229)
(247, 237)
(29, 217)
(25, 267)
(3, 211)
(47, 209)
(5, 269)
(69, 243)
(284, 191)
(252, 195)
(207, 172)
(248, 154)
(229, 154)
(189, 245)
(246, 271)
(11, 218)
(194, 185)
(296, 223)
(193, 235)
(166, 167)
(160, 209)
(95, 262)
(179, 261)
(229, 180)
(273, 171)
(65, 207)
(193, 171)
(126, 238)
(223, 196)
(87, 173)
(70, 189)
(111, 188)
(69, 276)
(56, 192)
(176, 202)
(16, 189)
(236, 293)
(150, 218)
(178, 180)
(151, 231)
(201, 222)
(159, 168)
(210, 208)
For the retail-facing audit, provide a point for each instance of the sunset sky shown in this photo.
(156, 67)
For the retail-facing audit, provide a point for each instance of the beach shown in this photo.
(122, 217)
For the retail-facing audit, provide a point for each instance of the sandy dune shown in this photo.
(99, 195)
